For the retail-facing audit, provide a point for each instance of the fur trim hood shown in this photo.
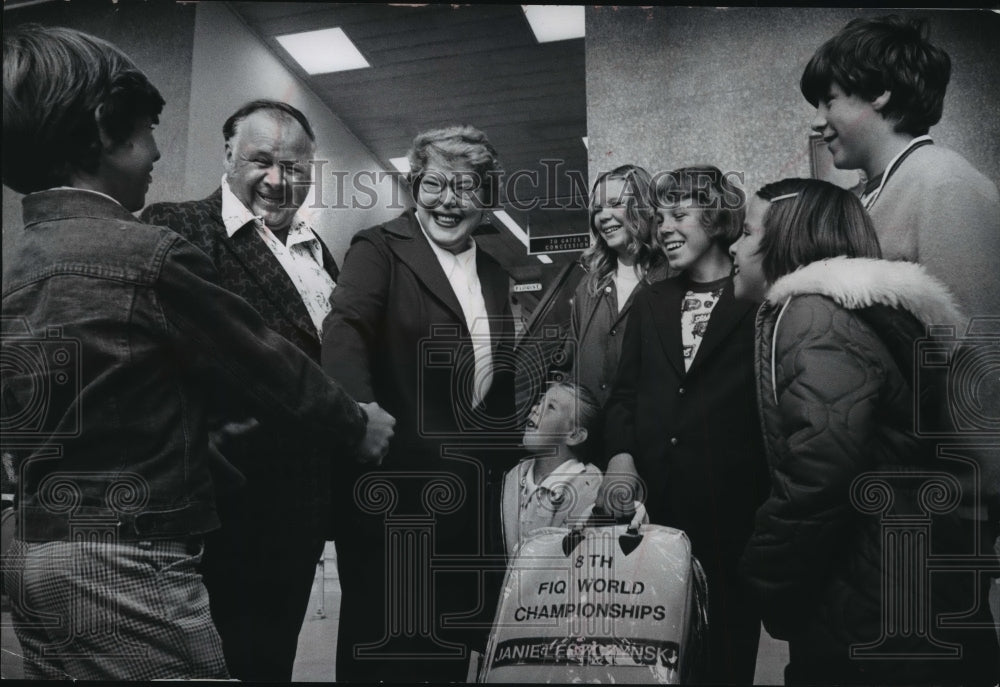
(856, 283)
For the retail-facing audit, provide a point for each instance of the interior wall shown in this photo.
(207, 63)
(159, 37)
(673, 86)
(231, 66)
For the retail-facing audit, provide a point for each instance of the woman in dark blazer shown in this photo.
(421, 322)
(683, 415)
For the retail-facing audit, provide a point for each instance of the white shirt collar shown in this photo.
(236, 215)
(626, 273)
(868, 199)
(916, 141)
(556, 478)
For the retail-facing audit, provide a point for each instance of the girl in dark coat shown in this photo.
(622, 259)
(839, 554)
(682, 417)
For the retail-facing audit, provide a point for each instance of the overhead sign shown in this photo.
(522, 288)
(558, 244)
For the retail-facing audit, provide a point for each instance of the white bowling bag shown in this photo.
(601, 604)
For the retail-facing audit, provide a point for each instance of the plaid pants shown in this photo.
(112, 611)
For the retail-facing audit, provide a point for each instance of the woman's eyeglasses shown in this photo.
(462, 184)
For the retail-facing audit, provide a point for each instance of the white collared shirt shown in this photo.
(463, 276)
(301, 255)
(625, 280)
(565, 498)
(554, 484)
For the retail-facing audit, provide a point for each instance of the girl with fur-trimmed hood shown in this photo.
(859, 501)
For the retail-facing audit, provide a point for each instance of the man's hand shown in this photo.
(621, 488)
(375, 443)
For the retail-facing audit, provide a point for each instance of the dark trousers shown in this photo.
(733, 632)
(805, 668)
(415, 636)
(259, 575)
(418, 597)
(819, 657)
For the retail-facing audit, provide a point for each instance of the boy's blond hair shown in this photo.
(587, 411)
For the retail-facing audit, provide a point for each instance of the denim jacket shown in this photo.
(112, 329)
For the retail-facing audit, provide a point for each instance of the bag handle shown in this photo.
(627, 542)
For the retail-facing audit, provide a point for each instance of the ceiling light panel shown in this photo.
(402, 164)
(555, 22)
(323, 51)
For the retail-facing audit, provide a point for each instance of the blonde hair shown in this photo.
(600, 260)
(465, 144)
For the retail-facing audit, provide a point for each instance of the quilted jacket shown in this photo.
(835, 376)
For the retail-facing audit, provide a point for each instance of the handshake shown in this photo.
(378, 432)
(234, 437)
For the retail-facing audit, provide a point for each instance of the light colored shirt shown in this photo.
(460, 269)
(301, 256)
(625, 282)
(868, 199)
(565, 498)
(938, 210)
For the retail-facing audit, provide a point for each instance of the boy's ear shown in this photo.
(577, 436)
(106, 140)
(881, 100)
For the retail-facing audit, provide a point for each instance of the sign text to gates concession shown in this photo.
(558, 244)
